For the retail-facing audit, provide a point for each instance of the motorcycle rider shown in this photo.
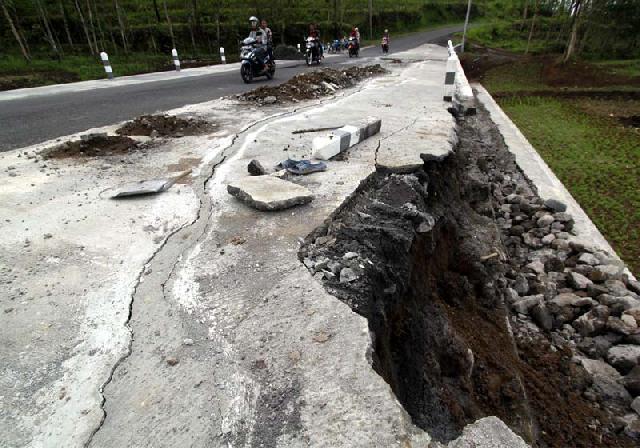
(259, 35)
(385, 39)
(356, 35)
(315, 34)
(268, 35)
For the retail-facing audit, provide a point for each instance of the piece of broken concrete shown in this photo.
(146, 187)
(488, 432)
(268, 193)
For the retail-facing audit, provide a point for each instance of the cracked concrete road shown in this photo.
(144, 323)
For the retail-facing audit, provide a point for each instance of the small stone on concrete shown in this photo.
(555, 205)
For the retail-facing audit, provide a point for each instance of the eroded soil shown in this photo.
(422, 257)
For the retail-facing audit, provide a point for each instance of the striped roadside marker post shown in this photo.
(298, 48)
(450, 47)
(450, 77)
(222, 56)
(176, 60)
(107, 65)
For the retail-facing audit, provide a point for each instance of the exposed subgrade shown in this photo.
(429, 259)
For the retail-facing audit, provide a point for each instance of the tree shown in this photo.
(65, 22)
(85, 29)
(14, 31)
(576, 10)
(48, 34)
(121, 27)
(166, 13)
(533, 24)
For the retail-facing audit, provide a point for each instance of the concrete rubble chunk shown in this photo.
(488, 432)
(607, 382)
(578, 281)
(624, 357)
(268, 193)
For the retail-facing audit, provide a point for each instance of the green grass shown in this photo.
(512, 36)
(597, 159)
(516, 76)
(85, 67)
(629, 67)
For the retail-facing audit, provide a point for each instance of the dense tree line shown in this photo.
(600, 28)
(90, 26)
(59, 27)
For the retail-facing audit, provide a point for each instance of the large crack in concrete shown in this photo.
(177, 238)
(422, 258)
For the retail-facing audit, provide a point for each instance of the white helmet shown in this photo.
(253, 19)
(386, 31)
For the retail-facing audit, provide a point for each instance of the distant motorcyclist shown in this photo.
(385, 41)
(356, 35)
(315, 34)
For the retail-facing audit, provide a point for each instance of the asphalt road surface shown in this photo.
(33, 120)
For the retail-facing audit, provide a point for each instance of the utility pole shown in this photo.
(371, 19)
(466, 24)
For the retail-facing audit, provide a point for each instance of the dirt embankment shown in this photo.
(431, 260)
(314, 84)
(552, 72)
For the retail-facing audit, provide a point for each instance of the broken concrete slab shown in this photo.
(268, 193)
(142, 187)
(326, 147)
(401, 152)
(488, 432)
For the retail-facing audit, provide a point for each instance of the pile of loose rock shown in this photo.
(311, 85)
(583, 297)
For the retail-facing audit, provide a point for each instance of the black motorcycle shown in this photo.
(255, 61)
(313, 51)
(354, 48)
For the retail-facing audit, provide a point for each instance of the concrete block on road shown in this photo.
(268, 193)
(326, 147)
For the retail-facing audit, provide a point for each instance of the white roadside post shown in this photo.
(450, 48)
(107, 65)
(298, 48)
(176, 61)
(222, 56)
(450, 77)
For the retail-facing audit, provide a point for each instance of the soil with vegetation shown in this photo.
(312, 85)
(582, 117)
